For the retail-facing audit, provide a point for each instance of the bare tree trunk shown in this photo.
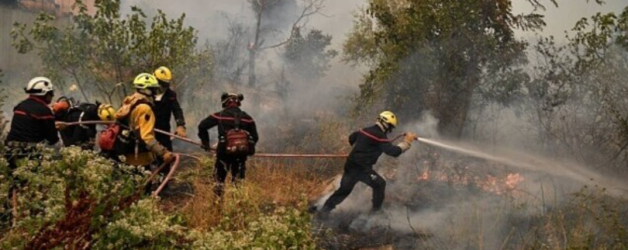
(454, 110)
(252, 77)
(254, 46)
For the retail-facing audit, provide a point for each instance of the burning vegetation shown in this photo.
(522, 142)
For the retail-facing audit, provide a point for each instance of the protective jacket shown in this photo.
(33, 122)
(166, 106)
(136, 113)
(81, 135)
(369, 144)
(225, 120)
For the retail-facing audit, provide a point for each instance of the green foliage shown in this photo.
(3, 120)
(435, 55)
(80, 199)
(583, 82)
(143, 226)
(308, 57)
(96, 52)
(5, 185)
(283, 229)
(63, 200)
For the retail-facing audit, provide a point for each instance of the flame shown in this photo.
(488, 183)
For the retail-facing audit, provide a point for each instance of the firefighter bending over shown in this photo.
(68, 110)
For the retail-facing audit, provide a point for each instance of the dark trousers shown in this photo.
(224, 165)
(165, 141)
(354, 173)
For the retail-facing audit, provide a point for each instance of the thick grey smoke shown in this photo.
(454, 209)
(281, 97)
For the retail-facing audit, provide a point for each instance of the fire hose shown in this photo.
(259, 155)
(175, 164)
(178, 156)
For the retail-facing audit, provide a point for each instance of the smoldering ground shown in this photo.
(461, 196)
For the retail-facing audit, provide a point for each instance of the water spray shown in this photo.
(533, 163)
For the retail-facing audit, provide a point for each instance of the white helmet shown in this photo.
(39, 86)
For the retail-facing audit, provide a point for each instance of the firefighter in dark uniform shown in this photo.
(68, 110)
(230, 121)
(368, 145)
(166, 106)
(33, 123)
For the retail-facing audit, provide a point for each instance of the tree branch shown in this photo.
(312, 7)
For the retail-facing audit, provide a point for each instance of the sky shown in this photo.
(337, 18)
(567, 14)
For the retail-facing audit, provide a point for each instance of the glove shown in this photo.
(181, 132)
(410, 137)
(168, 157)
(60, 126)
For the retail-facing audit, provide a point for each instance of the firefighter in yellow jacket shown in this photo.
(136, 114)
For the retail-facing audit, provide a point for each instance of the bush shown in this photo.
(284, 229)
(78, 199)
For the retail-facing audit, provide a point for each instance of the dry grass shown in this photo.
(270, 183)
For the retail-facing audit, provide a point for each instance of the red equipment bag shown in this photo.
(237, 142)
(107, 137)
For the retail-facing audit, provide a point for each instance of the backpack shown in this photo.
(237, 142)
(107, 137)
(120, 138)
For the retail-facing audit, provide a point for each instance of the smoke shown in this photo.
(454, 210)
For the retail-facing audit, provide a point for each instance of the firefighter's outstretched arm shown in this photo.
(402, 147)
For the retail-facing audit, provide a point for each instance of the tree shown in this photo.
(101, 53)
(437, 55)
(308, 57)
(8, 2)
(230, 53)
(270, 18)
(578, 92)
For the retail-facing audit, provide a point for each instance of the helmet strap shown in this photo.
(147, 92)
(386, 127)
(163, 85)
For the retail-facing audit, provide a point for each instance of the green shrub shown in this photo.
(283, 229)
(78, 199)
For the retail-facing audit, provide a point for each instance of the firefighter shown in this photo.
(368, 145)
(68, 110)
(166, 106)
(137, 118)
(237, 138)
(33, 123)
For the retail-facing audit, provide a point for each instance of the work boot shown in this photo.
(323, 213)
(378, 213)
(312, 209)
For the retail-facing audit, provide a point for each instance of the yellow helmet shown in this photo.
(145, 81)
(163, 74)
(388, 117)
(106, 112)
